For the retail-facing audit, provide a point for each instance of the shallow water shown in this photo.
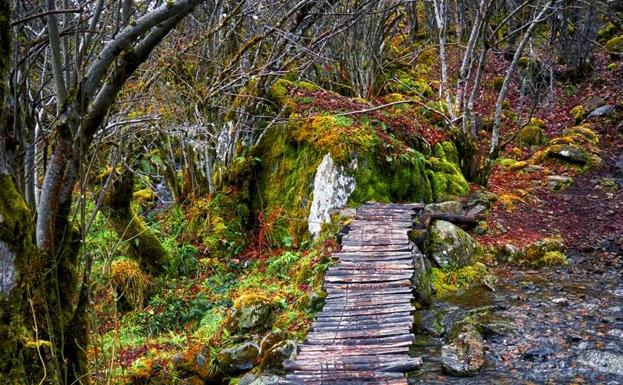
(567, 321)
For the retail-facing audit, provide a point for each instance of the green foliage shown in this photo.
(404, 82)
(219, 223)
(184, 261)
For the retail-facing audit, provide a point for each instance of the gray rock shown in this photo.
(603, 361)
(429, 322)
(448, 207)
(464, 355)
(262, 379)
(602, 112)
(558, 182)
(252, 313)
(449, 246)
(332, 188)
(274, 357)
(569, 153)
(239, 358)
(421, 279)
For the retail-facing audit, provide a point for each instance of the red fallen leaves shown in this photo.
(582, 214)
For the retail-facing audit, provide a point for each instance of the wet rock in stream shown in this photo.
(464, 354)
(555, 325)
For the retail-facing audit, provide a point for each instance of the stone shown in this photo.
(464, 354)
(449, 246)
(531, 135)
(239, 358)
(558, 182)
(480, 197)
(421, 277)
(261, 379)
(428, 322)
(592, 103)
(252, 313)
(448, 207)
(274, 357)
(602, 112)
(332, 188)
(569, 153)
(603, 361)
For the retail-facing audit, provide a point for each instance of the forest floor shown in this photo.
(557, 324)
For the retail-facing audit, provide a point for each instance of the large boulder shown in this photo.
(464, 354)
(251, 312)
(332, 188)
(449, 246)
(239, 358)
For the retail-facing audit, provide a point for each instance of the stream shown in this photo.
(555, 325)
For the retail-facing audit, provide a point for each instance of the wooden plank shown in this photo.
(397, 364)
(342, 287)
(363, 334)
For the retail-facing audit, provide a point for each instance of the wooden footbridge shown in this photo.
(363, 334)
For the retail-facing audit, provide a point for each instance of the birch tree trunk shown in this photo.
(497, 121)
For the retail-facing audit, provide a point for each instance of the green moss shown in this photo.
(400, 179)
(404, 82)
(583, 130)
(615, 45)
(545, 252)
(531, 135)
(338, 135)
(219, 222)
(449, 282)
(281, 93)
(607, 32)
(446, 179)
(578, 113)
(285, 176)
(434, 112)
(16, 229)
(496, 83)
(506, 162)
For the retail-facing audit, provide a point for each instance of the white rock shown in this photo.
(7, 269)
(332, 188)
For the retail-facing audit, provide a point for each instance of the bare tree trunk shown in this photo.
(497, 121)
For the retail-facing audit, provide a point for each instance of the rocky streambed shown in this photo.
(554, 325)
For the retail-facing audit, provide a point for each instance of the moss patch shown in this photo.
(449, 282)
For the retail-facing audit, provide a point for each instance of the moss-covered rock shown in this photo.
(578, 113)
(446, 179)
(464, 354)
(449, 281)
(531, 135)
(239, 358)
(451, 247)
(607, 32)
(615, 45)
(251, 312)
(544, 252)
